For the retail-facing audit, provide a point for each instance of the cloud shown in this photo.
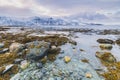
(57, 7)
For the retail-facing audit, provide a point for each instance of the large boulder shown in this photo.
(16, 47)
(105, 41)
(37, 50)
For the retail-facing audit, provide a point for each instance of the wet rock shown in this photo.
(105, 46)
(7, 68)
(4, 50)
(105, 41)
(88, 75)
(82, 50)
(98, 54)
(37, 50)
(16, 47)
(24, 64)
(118, 41)
(106, 57)
(67, 59)
(73, 42)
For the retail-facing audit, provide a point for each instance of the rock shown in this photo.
(39, 65)
(16, 47)
(53, 47)
(4, 50)
(24, 64)
(118, 41)
(1, 45)
(37, 50)
(82, 50)
(106, 57)
(7, 68)
(105, 41)
(67, 59)
(18, 61)
(105, 46)
(98, 54)
(88, 75)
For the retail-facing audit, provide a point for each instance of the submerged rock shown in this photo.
(37, 50)
(105, 41)
(88, 75)
(67, 59)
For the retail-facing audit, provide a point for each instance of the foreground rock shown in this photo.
(105, 41)
(37, 50)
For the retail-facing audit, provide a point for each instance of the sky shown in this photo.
(58, 8)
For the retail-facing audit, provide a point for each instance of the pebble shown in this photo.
(24, 64)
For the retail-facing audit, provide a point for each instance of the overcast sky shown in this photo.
(59, 7)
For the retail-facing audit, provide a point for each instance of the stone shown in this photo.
(4, 50)
(16, 47)
(18, 61)
(88, 75)
(118, 41)
(105, 46)
(98, 54)
(38, 50)
(1, 45)
(24, 64)
(67, 59)
(53, 47)
(105, 41)
(106, 57)
(39, 65)
(7, 68)
(82, 50)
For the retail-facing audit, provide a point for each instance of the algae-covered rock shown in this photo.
(105, 41)
(105, 46)
(106, 57)
(16, 47)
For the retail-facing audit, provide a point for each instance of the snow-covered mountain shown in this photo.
(40, 21)
(36, 21)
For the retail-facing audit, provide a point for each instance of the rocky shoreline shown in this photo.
(37, 55)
